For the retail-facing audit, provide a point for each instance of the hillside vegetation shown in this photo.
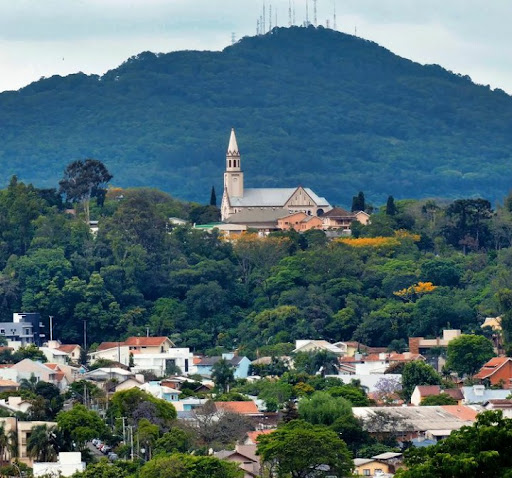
(419, 268)
(311, 106)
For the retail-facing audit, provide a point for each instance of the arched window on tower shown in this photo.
(230, 163)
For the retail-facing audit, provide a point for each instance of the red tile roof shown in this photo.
(108, 345)
(428, 390)
(455, 393)
(253, 436)
(461, 411)
(145, 341)
(68, 348)
(491, 367)
(243, 408)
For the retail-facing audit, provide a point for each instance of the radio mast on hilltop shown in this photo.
(315, 18)
(334, 26)
(307, 12)
(293, 20)
(270, 17)
(289, 13)
(263, 29)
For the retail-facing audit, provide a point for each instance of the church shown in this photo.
(262, 207)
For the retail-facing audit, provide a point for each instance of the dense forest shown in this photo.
(311, 106)
(420, 266)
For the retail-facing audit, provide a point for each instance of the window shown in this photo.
(230, 163)
(366, 472)
(2, 331)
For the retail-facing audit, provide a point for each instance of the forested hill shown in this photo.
(311, 106)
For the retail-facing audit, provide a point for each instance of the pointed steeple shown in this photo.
(233, 146)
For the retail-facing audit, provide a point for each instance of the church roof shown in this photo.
(271, 197)
(256, 215)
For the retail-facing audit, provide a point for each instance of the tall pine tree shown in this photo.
(213, 197)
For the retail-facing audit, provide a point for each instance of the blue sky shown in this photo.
(45, 37)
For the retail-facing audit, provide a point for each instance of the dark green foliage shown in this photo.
(358, 202)
(213, 197)
(467, 353)
(418, 373)
(300, 449)
(481, 450)
(163, 120)
(390, 206)
(442, 399)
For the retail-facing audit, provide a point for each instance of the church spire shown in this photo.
(233, 146)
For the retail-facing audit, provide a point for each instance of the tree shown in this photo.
(176, 440)
(222, 375)
(466, 354)
(79, 425)
(442, 399)
(415, 373)
(482, 450)
(321, 361)
(83, 180)
(302, 450)
(358, 202)
(189, 466)
(323, 409)
(213, 197)
(42, 444)
(105, 469)
(391, 209)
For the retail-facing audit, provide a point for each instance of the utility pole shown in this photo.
(130, 427)
(124, 428)
(51, 328)
(85, 334)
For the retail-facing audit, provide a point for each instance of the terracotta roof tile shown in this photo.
(68, 348)
(108, 345)
(461, 411)
(428, 390)
(243, 408)
(253, 436)
(491, 367)
(145, 341)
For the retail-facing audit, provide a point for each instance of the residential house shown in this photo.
(375, 363)
(113, 374)
(156, 354)
(423, 391)
(408, 423)
(420, 345)
(28, 368)
(9, 386)
(25, 329)
(247, 408)
(497, 371)
(369, 382)
(240, 365)
(15, 404)
(252, 437)
(478, 394)
(245, 456)
(74, 351)
(300, 222)
(22, 429)
(505, 405)
(319, 345)
(159, 390)
(68, 463)
(55, 355)
(341, 219)
(382, 466)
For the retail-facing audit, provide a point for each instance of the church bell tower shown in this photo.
(233, 176)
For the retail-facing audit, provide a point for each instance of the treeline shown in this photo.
(417, 269)
(369, 118)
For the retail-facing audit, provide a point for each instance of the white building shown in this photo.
(68, 464)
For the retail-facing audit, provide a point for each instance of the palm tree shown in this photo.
(42, 444)
(4, 444)
(29, 384)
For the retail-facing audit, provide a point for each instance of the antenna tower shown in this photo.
(275, 24)
(263, 29)
(270, 17)
(233, 38)
(334, 26)
(307, 12)
(293, 19)
(289, 13)
(315, 18)
(258, 26)
(327, 24)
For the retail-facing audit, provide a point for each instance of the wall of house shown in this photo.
(369, 469)
(502, 375)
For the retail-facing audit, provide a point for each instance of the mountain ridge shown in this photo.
(311, 106)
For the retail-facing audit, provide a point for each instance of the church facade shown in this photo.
(262, 205)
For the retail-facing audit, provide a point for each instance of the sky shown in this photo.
(47, 37)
